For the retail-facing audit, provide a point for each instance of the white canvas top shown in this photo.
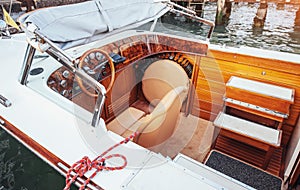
(77, 24)
(262, 88)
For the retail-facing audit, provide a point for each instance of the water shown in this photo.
(279, 32)
(22, 170)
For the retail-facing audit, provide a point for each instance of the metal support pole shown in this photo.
(27, 64)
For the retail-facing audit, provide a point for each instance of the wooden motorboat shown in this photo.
(120, 96)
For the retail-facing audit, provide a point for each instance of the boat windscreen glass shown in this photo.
(175, 23)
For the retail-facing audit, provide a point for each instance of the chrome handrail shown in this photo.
(69, 63)
(88, 80)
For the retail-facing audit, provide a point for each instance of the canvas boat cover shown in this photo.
(77, 24)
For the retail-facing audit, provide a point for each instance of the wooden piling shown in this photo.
(297, 18)
(259, 19)
(223, 11)
(280, 4)
(29, 4)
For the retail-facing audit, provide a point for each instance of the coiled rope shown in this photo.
(85, 164)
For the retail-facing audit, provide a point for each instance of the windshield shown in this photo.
(178, 24)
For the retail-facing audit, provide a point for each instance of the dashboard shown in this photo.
(126, 52)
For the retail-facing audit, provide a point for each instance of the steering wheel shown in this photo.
(89, 62)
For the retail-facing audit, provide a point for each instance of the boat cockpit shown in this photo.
(144, 75)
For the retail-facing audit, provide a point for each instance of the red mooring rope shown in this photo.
(85, 164)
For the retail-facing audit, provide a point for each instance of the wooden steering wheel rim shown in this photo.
(112, 69)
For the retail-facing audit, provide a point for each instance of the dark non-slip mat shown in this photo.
(245, 173)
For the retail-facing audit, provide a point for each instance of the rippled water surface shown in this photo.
(22, 170)
(279, 32)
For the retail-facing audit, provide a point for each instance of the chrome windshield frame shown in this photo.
(70, 64)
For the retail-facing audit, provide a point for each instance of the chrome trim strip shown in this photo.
(4, 101)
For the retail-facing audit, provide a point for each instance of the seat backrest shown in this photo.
(165, 85)
(157, 127)
(160, 78)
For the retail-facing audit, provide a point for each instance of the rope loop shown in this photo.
(99, 163)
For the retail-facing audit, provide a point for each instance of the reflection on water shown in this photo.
(279, 32)
(22, 170)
